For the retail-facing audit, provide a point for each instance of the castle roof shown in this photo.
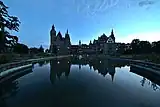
(59, 35)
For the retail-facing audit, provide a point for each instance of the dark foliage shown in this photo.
(139, 47)
(7, 22)
(34, 50)
(21, 48)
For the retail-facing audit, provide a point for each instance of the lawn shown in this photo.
(155, 58)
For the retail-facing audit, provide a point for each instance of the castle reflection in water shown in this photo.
(58, 67)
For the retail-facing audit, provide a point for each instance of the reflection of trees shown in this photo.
(143, 81)
(147, 76)
(10, 87)
(7, 90)
(41, 63)
(154, 86)
(58, 67)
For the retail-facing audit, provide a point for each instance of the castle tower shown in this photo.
(67, 39)
(79, 42)
(52, 38)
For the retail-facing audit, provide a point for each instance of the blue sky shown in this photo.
(86, 19)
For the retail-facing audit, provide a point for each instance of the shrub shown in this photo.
(5, 58)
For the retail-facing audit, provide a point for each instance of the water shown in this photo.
(86, 82)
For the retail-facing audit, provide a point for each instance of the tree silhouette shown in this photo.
(34, 50)
(135, 46)
(47, 51)
(144, 47)
(156, 47)
(21, 48)
(7, 22)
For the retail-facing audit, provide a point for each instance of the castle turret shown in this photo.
(79, 42)
(53, 34)
(90, 43)
(67, 39)
(112, 35)
(53, 38)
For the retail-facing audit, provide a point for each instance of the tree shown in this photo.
(21, 48)
(156, 47)
(145, 47)
(9, 22)
(47, 51)
(41, 49)
(121, 48)
(34, 50)
(135, 46)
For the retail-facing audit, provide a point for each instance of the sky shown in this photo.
(86, 19)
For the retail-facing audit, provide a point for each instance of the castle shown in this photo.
(62, 45)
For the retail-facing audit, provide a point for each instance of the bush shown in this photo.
(5, 58)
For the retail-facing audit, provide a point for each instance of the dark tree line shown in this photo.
(139, 47)
(23, 49)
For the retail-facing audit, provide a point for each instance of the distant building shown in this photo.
(105, 45)
(59, 43)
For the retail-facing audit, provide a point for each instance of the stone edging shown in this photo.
(9, 71)
(7, 66)
(149, 66)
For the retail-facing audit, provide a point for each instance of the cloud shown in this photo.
(94, 7)
(150, 36)
(146, 3)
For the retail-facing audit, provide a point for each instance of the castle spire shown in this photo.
(67, 31)
(53, 26)
(112, 35)
(67, 35)
(79, 42)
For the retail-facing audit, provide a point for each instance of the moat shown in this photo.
(86, 82)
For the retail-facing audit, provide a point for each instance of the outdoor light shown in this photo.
(99, 61)
(58, 62)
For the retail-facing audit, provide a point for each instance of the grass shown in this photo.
(155, 58)
(12, 57)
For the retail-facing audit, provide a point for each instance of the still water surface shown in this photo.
(89, 82)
